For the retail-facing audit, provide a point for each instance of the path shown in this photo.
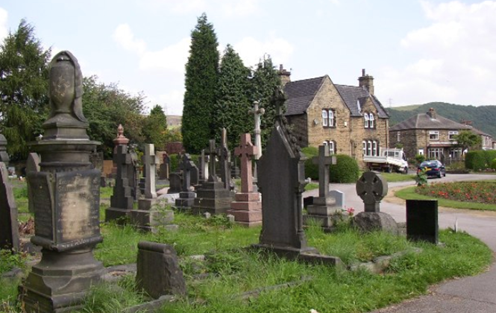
(470, 294)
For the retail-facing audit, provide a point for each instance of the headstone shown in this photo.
(372, 188)
(195, 176)
(186, 196)
(247, 207)
(338, 196)
(96, 158)
(9, 228)
(32, 166)
(66, 199)
(422, 220)
(164, 167)
(323, 210)
(281, 174)
(203, 175)
(158, 272)
(133, 173)
(147, 217)
(225, 161)
(174, 182)
(4, 157)
(212, 196)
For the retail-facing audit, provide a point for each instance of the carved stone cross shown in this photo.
(246, 151)
(212, 152)
(149, 162)
(323, 160)
(257, 114)
(371, 188)
(186, 165)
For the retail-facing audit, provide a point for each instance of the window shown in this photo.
(421, 151)
(328, 118)
(371, 120)
(366, 120)
(371, 148)
(434, 135)
(435, 153)
(331, 145)
(374, 148)
(364, 144)
(398, 136)
(452, 134)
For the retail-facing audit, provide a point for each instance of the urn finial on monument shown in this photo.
(65, 94)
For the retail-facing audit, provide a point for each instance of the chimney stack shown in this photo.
(284, 75)
(366, 81)
(432, 113)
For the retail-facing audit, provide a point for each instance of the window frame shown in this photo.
(434, 132)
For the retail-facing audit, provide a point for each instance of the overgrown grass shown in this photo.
(409, 193)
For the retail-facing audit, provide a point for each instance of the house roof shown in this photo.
(424, 121)
(301, 93)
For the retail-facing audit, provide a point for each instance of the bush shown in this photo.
(420, 158)
(490, 155)
(475, 160)
(311, 169)
(344, 171)
(493, 164)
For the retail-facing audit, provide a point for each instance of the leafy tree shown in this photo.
(233, 104)
(23, 89)
(105, 107)
(155, 127)
(466, 139)
(264, 81)
(201, 83)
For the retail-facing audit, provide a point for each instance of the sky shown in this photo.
(418, 51)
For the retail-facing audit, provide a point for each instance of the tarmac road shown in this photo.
(470, 294)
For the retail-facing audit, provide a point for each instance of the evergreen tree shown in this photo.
(201, 84)
(155, 127)
(233, 104)
(23, 89)
(264, 82)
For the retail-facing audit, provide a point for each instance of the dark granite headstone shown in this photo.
(174, 182)
(186, 196)
(158, 271)
(9, 228)
(422, 220)
(164, 169)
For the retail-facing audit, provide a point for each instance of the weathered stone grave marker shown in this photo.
(246, 208)
(225, 161)
(4, 157)
(158, 271)
(186, 196)
(9, 228)
(422, 220)
(323, 209)
(372, 188)
(212, 197)
(32, 165)
(164, 167)
(65, 199)
(174, 182)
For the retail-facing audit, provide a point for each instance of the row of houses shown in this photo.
(351, 120)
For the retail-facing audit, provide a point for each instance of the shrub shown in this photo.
(475, 160)
(420, 158)
(490, 155)
(344, 171)
(493, 164)
(311, 169)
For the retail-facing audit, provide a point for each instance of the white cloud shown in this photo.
(125, 37)
(251, 50)
(229, 8)
(457, 57)
(240, 7)
(171, 58)
(3, 24)
(172, 102)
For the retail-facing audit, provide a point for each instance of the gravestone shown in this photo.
(4, 157)
(323, 209)
(422, 220)
(212, 197)
(195, 176)
(186, 196)
(32, 165)
(9, 226)
(174, 182)
(338, 196)
(203, 170)
(158, 272)
(133, 173)
(147, 217)
(281, 174)
(372, 187)
(225, 161)
(164, 167)
(66, 199)
(246, 208)
(257, 114)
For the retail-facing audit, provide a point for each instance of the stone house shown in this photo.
(432, 135)
(348, 119)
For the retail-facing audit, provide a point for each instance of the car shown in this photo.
(432, 168)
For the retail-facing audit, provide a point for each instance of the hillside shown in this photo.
(483, 117)
(174, 121)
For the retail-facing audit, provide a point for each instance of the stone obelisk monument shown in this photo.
(65, 199)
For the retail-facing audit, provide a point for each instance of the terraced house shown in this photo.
(347, 119)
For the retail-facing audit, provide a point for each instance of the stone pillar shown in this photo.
(247, 208)
(257, 113)
(65, 199)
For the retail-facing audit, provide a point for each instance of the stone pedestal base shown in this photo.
(186, 200)
(146, 218)
(247, 209)
(212, 198)
(323, 212)
(375, 221)
(58, 283)
(120, 216)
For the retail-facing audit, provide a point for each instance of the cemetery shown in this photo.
(191, 233)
